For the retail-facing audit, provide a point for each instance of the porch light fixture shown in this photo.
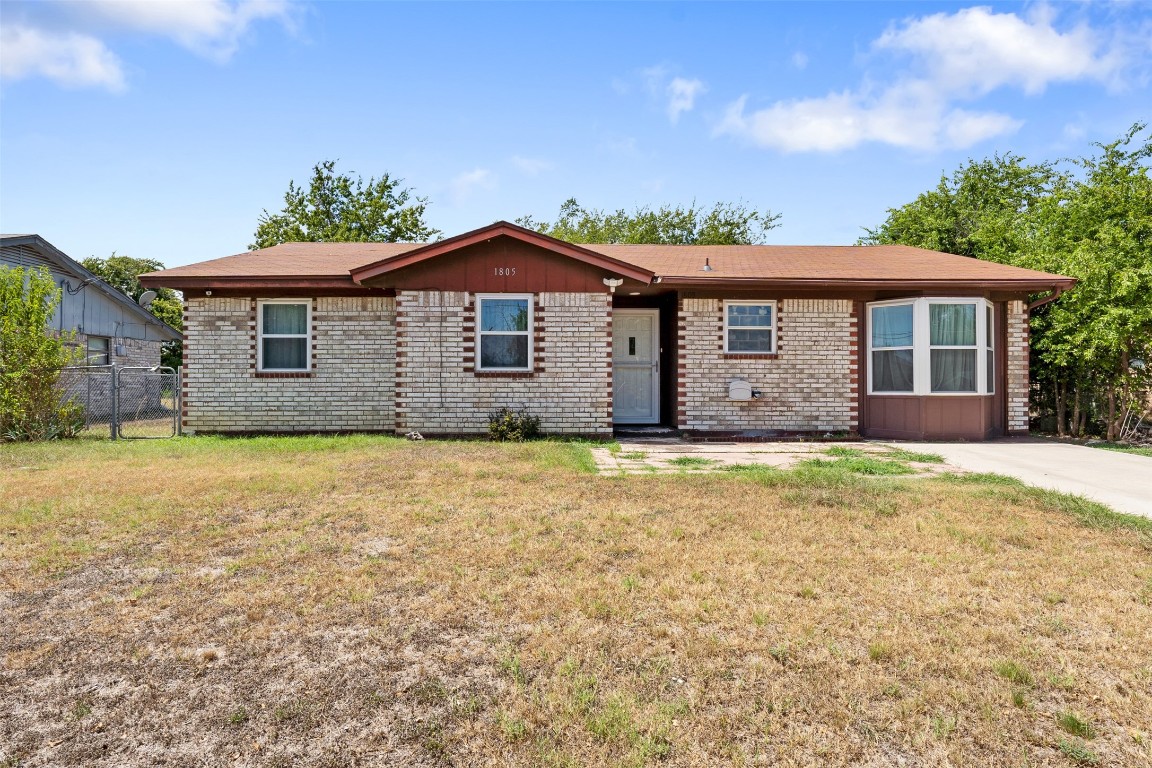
(613, 283)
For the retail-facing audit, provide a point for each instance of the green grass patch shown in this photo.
(691, 461)
(845, 452)
(1072, 723)
(1088, 513)
(901, 454)
(1014, 672)
(1139, 450)
(864, 465)
(1079, 752)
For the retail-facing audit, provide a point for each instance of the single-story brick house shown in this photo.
(757, 340)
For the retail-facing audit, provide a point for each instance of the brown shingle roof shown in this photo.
(330, 264)
(292, 260)
(871, 263)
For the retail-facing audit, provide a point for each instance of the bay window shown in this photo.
(938, 346)
(504, 332)
(283, 329)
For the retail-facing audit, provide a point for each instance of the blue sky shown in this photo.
(163, 129)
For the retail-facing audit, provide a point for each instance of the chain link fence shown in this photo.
(130, 402)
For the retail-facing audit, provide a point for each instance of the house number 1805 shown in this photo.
(504, 271)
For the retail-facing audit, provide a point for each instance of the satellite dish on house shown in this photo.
(146, 299)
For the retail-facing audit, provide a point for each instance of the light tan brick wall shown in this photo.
(1017, 359)
(438, 391)
(351, 386)
(810, 385)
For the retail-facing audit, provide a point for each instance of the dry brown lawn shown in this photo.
(368, 601)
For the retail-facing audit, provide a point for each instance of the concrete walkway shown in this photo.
(1123, 481)
(671, 455)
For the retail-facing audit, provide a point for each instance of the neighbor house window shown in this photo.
(283, 335)
(97, 351)
(504, 332)
(934, 346)
(750, 327)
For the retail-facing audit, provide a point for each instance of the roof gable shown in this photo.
(503, 229)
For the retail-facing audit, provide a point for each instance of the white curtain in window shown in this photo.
(953, 370)
(892, 326)
(285, 318)
(892, 370)
(953, 325)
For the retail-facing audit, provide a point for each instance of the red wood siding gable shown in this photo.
(502, 258)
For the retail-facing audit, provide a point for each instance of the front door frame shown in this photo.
(655, 315)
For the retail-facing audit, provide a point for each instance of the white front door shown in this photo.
(636, 366)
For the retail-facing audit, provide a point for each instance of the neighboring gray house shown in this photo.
(109, 326)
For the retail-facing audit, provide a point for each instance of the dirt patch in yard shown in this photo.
(359, 601)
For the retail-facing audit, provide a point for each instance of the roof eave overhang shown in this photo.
(607, 263)
(1021, 286)
(187, 282)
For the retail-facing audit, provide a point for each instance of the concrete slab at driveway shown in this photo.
(1123, 481)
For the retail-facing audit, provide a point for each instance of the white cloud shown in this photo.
(976, 51)
(68, 48)
(901, 116)
(464, 185)
(682, 95)
(210, 28)
(531, 166)
(799, 60)
(676, 94)
(69, 59)
(955, 58)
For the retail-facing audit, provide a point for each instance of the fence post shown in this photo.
(179, 401)
(115, 401)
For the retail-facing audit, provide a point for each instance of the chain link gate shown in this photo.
(133, 402)
(146, 402)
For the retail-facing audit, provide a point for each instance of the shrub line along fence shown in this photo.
(132, 402)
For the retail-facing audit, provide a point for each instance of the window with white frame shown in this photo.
(283, 328)
(504, 332)
(750, 327)
(938, 346)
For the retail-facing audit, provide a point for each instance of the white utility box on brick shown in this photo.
(738, 389)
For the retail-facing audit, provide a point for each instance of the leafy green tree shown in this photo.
(722, 224)
(979, 211)
(1097, 227)
(123, 274)
(336, 208)
(32, 355)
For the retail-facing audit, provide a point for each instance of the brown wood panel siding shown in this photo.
(953, 417)
(500, 265)
(999, 404)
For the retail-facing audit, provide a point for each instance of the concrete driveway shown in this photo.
(1123, 481)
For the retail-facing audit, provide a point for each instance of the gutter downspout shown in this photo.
(1057, 291)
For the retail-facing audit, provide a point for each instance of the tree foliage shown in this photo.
(722, 224)
(337, 208)
(1089, 218)
(979, 211)
(123, 274)
(32, 407)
